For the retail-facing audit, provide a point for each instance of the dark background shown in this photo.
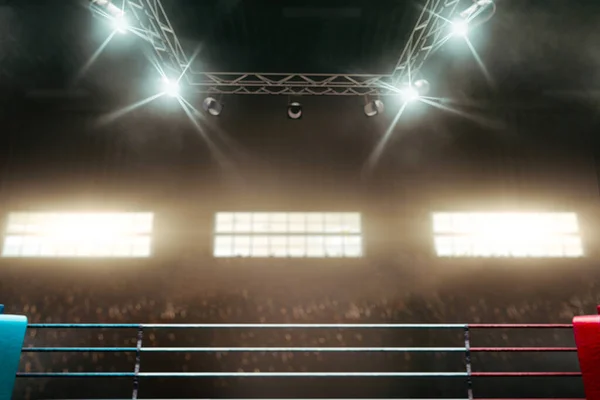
(530, 142)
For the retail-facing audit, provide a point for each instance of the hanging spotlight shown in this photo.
(409, 94)
(108, 7)
(374, 107)
(212, 106)
(120, 24)
(170, 87)
(477, 5)
(294, 110)
(422, 86)
(460, 27)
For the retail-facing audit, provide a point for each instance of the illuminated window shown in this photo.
(48, 235)
(507, 235)
(292, 234)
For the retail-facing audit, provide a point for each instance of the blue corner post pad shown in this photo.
(12, 334)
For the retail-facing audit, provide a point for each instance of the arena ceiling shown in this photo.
(539, 54)
(351, 36)
(533, 46)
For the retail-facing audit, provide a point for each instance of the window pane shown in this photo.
(278, 223)
(297, 246)
(351, 223)
(444, 246)
(333, 223)
(352, 246)
(315, 246)
(442, 223)
(48, 248)
(224, 223)
(17, 223)
(297, 223)
(241, 246)
(508, 234)
(12, 246)
(242, 222)
(31, 247)
(315, 223)
(142, 223)
(141, 247)
(573, 247)
(288, 234)
(260, 222)
(260, 246)
(223, 246)
(80, 234)
(278, 246)
(334, 246)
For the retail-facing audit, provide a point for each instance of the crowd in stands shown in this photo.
(233, 293)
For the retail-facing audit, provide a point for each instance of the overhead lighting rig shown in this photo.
(433, 21)
(436, 19)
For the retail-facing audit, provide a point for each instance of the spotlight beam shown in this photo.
(125, 110)
(480, 120)
(93, 58)
(479, 61)
(378, 150)
(218, 154)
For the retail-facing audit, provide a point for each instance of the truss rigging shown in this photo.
(431, 24)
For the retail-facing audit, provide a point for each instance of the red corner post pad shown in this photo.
(587, 337)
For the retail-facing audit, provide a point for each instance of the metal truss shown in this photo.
(292, 84)
(432, 23)
(434, 20)
(157, 29)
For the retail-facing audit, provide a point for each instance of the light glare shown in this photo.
(170, 87)
(460, 28)
(507, 235)
(120, 24)
(78, 235)
(409, 94)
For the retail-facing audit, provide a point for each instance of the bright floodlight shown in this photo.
(120, 23)
(78, 235)
(409, 94)
(373, 108)
(170, 87)
(507, 235)
(460, 28)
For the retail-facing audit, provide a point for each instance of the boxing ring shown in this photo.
(586, 330)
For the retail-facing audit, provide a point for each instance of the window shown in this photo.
(507, 235)
(293, 234)
(78, 235)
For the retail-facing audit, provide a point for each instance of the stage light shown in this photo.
(477, 5)
(409, 94)
(171, 87)
(108, 7)
(294, 110)
(373, 108)
(422, 86)
(212, 106)
(460, 28)
(120, 24)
